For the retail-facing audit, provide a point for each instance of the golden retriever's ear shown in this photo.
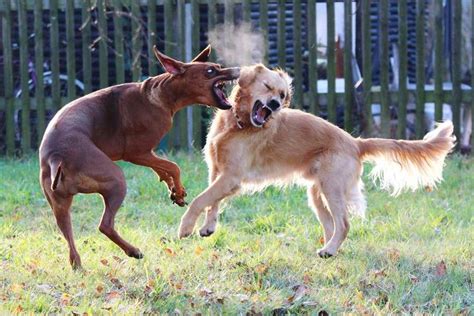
(247, 76)
(289, 80)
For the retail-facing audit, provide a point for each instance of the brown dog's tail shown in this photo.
(401, 164)
(55, 166)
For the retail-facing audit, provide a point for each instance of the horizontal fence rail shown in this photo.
(382, 76)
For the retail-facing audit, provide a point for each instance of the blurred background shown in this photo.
(383, 68)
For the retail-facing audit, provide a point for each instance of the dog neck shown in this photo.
(167, 90)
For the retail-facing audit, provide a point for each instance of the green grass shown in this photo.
(261, 259)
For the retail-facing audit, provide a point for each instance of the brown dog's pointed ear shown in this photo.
(204, 55)
(170, 65)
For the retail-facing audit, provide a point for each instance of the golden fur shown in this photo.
(297, 147)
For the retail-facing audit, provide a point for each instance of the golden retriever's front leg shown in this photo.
(224, 186)
(210, 223)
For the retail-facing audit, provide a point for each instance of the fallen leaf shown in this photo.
(440, 269)
(112, 296)
(65, 299)
(413, 278)
(321, 240)
(118, 259)
(116, 282)
(170, 252)
(198, 250)
(307, 279)
(105, 262)
(261, 268)
(99, 289)
(18, 309)
(17, 287)
(300, 290)
(380, 273)
(205, 292)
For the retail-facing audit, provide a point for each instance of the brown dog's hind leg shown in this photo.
(113, 192)
(315, 201)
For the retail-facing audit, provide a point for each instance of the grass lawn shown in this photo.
(413, 253)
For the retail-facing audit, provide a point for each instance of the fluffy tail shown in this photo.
(55, 166)
(401, 164)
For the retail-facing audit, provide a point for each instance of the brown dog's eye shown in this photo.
(282, 95)
(210, 71)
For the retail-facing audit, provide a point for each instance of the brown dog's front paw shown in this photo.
(177, 196)
(135, 253)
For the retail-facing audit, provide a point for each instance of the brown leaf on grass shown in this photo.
(393, 254)
(105, 262)
(118, 259)
(170, 252)
(261, 268)
(321, 240)
(307, 279)
(17, 287)
(65, 299)
(380, 273)
(112, 296)
(414, 279)
(18, 309)
(300, 290)
(440, 269)
(205, 292)
(198, 250)
(116, 282)
(99, 289)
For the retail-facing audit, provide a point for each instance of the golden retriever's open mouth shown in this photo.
(260, 114)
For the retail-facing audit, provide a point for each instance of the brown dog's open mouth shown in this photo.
(220, 93)
(260, 114)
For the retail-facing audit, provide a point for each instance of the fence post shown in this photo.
(181, 115)
(438, 62)
(297, 53)
(152, 36)
(54, 39)
(367, 67)
(24, 77)
(472, 76)
(86, 52)
(197, 111)
(420, 68)
(70, 54)
(136, 41)
(313, 59)
(281, 47)
(39, 61)
(456, 68)
(384, 66)
(118, 42)
(402, 72)
(264, 27)
(103, 60)
(331, 65)
(348, 78)
(246, 8)
(8, 77)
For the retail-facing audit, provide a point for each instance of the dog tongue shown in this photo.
(260, 116)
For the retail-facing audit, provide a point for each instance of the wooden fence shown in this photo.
(145, 23)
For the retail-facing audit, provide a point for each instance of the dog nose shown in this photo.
(273, 105)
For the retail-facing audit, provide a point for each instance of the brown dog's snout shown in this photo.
(233, 72)
(273, 105)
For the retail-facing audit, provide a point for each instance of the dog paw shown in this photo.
(206, 232)
(185, 231)
(135, 253)
(177, 196)
(322, 253)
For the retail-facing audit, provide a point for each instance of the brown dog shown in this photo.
(261, 142)
(122, 122)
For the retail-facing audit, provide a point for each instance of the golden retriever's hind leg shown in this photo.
(338, 208)
(324, 216)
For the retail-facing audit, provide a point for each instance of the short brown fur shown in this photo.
(122, 122)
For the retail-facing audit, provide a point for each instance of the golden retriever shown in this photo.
(261, 142)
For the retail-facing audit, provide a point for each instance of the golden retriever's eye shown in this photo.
(267, 86)
(282, 95)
